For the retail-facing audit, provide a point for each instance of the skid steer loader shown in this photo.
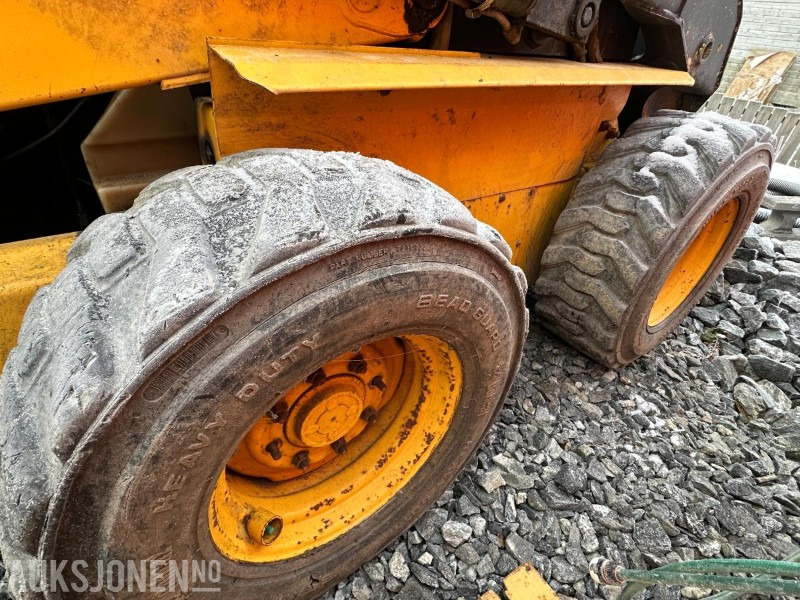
(307, 300)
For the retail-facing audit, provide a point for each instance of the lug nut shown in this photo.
(339, 446)
(377, 382)
(316, 377)
(357, 365)
(279, 412)
(274, 448)
(369, 414)
(301, 460)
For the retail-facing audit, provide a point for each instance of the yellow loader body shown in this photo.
(508, 136)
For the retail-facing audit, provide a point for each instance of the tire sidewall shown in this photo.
(357, 296)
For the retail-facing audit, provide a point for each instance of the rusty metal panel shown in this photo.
(56, 49)
(290, 68)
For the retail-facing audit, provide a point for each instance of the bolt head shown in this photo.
(316, 377)
(369, 414)
(378, 382)
(279, 412)
(274, 448)
(587, 16)
(339, 446)
(357, 365)
(300, 460)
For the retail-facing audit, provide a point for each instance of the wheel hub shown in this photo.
(325, 413)
(690, 268)
(335, 448)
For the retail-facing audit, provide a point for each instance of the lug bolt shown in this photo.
(279, 412)
(357, 365)
(369, 414)
(301, 460)
(316, 377)
(339, 446)
(588, 15)
(274, 448)
(377, 382)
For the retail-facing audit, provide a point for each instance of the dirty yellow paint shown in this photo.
(291, 68)
(299, 510)
(488, 146)
(525, 219)
(525, 583)
(66, 48)
(690, 268)
(490, 595)
(24, 268)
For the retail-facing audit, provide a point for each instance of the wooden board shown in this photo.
(760, 76)
(784, 122)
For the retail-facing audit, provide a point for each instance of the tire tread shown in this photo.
(622, 212)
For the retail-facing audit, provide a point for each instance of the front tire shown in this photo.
(257, 299)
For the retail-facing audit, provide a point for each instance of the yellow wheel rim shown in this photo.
(694, 263)
(335, 449)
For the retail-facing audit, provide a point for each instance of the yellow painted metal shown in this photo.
(24, 268)
(525, 583)
(144, 134)
(525, 219)
(474, 142)
(55, 49)
(363, 440)
(693, 264)
(479, 143)
(285, 68)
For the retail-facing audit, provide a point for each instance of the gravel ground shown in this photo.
(691, 452)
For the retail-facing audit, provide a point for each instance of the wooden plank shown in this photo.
(784, 133)
(791, 148)
(750, 111)
(726, 105)
(713, 103)
(764, 114)
(776, 118)
(760, 76)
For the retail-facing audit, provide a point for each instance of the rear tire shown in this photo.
(178, 325)
(612, 282)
